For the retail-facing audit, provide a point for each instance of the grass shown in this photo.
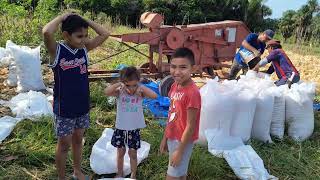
(33, 143)
(303, 49)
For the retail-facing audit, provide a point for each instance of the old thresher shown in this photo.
(212, 43)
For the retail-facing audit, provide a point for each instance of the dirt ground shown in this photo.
(6, 92)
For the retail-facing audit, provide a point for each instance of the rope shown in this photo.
(117, 53)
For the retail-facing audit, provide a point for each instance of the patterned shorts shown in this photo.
(65, 126)
(121, 138)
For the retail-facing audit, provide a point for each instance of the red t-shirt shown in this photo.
(181, 99)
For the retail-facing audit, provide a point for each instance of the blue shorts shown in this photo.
(131, 138)
(182, 168)
(65, 126)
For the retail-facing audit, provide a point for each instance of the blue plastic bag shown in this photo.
(119, 67)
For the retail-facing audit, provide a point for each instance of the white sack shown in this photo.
(4, 57)
(28, 67)
(245, 106)
(218, 142)
(217, 108)
(277, 126)
(256, 82)
(299, 110)
(103, 158)
(12, 79)
(262, 117)
(7, 124)
(30, 105)
(246, 164)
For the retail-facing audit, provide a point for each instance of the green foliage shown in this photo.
(304, 19)
(12, 10)
(302, 25)
(315, 30)
(287, 24)
(127, 11)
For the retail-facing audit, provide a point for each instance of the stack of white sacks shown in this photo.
(24, 67)
(233, 112)
(254, 107)
(24, 73)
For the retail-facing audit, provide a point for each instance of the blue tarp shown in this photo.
(316, 107)
(119, 67)
(158, 107)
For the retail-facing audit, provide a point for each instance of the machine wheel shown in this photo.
(152, 69)
(165, 85)
(209, 70)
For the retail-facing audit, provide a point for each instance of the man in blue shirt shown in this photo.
(249, 53)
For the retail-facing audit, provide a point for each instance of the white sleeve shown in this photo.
(86, 51)
(263, 62)
(55, 62)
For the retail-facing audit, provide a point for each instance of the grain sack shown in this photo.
(299, 110)
(245, 106)
(262, 116)
(217, 108)
(278, 115)
(28, 65)
(12, 79)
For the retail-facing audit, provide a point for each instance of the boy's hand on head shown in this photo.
(176, 158)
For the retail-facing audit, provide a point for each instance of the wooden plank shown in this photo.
(108, 77)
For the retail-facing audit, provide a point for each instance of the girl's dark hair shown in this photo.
(73, 23)
(129, 74)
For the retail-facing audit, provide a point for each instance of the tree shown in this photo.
(304, 19)
(315, 29)
(12, 9)
(255, 13)
(287, 24)
(127, 11)
(194, 11)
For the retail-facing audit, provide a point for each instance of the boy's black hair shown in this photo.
(129, 74)
(276, 46)
(184, 53)
(73, 23)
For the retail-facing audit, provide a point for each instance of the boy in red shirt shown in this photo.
(184, 115)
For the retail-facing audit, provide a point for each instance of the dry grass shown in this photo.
(308, 66)
(306, 62)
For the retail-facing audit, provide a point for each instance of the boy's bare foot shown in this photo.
(119, 175)
(133, 176)
(79, 175)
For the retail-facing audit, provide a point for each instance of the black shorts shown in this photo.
(121, 138)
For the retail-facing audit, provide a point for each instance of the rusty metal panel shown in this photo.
(212, 43)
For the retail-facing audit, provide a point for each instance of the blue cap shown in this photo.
(269, 33)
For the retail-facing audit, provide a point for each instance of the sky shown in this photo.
(280, 6)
